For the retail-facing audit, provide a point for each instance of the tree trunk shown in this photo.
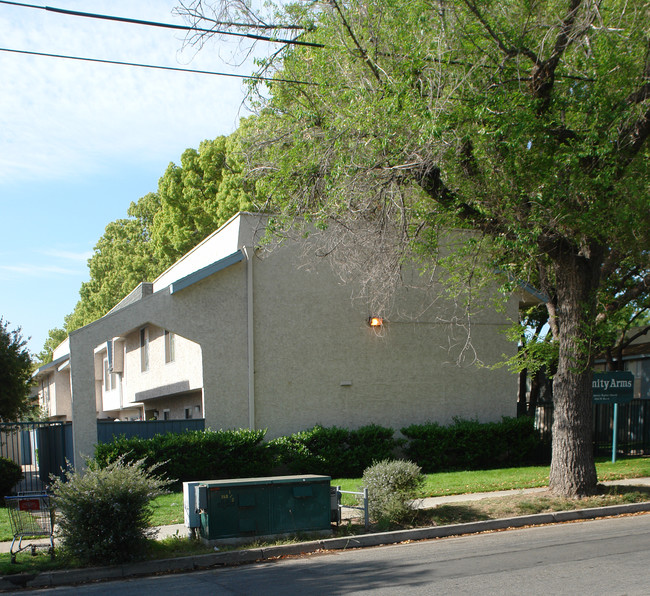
(573, 471)
(521, 394)
(535, 390)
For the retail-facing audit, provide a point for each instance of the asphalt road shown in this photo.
(605, 556)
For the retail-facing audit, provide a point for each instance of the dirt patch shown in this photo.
(507, 506)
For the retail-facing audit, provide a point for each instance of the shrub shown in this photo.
(392, 485)
(472, 445)
(105, 512)
(334, 451)
(10, 475)
(195, 455)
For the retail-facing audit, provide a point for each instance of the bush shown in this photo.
(334, 451)
(10, 475)
(472, 445)
(392, 485)
(195, 455)
(105, 512)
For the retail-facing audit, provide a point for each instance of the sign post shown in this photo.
(615, 432)
(613, 388)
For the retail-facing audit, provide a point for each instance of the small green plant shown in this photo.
(105, 512)
(392, 485)
(10, 475)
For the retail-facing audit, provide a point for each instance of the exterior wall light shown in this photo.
(375, 321)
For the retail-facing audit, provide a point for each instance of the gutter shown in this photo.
(250, 253)
(124, 571)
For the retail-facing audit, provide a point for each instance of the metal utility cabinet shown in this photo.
(263, 506)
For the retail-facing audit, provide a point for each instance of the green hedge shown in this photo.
(195, 455)
(472, 445)
(10, 475)
(334, 451)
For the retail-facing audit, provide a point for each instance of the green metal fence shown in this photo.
(107, 430)
(633, 427)
(41, 449)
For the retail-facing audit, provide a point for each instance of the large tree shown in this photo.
(521, 121)
(193, 200)
(54, 338)
(122, 258)
(15, 373)
(196, 197)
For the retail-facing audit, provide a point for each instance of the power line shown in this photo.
(167, 25)
(155, 67)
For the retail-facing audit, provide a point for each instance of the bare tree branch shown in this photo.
(543, 73)
(507, 49)
(364, 54)
(632, 293)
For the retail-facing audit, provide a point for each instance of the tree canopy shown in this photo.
(206, 190)
(193, 199)
(122, 259)
(54, 338)
(15, 373)
(523, 122)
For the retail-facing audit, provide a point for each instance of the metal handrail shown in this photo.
(363, 494)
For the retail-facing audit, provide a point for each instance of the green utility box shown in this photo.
(244, 507)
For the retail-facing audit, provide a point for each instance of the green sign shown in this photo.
(613, 387)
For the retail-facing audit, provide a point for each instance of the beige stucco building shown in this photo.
(250, 337)
(52, 385)
(148, 373)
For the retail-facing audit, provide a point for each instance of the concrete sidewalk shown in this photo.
(431, 502)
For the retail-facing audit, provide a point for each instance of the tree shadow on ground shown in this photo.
(625, 489)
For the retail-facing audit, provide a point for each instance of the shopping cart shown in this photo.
(31, 515)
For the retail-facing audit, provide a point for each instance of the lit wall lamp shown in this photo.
(375, 321)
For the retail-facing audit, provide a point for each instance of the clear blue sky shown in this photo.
(79, 140)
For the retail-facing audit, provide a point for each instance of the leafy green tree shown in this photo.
(536, 358)
(523, 123)
(15, 373)
(122, 258)
(192, 201)
(196, 197)
(54, 338)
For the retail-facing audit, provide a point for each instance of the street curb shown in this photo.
(93, 574)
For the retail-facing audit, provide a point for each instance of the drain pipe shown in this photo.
(250, 254)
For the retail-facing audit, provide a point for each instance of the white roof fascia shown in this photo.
(63, 349)
(207, 271)
(218, 245)
(46, 367)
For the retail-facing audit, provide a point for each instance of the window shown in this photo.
(169, 346)
(165, 414)
(45, 390)
(110, 379)
(144, 349)
(188, 413)
(641, 371)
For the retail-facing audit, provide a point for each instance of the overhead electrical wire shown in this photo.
(165, 25)
(153, 66)
(156, 24)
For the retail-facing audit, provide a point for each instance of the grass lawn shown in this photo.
(459, 483)
(168, 509)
